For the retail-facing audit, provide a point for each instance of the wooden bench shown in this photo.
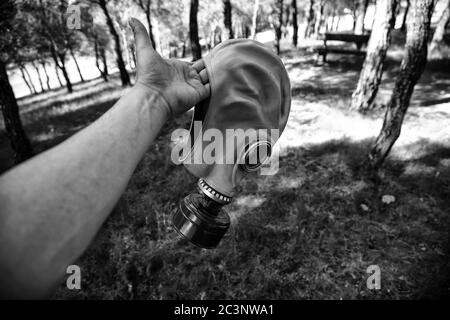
(358, 39)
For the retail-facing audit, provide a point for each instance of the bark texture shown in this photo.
(437, 43)
(411, 69)
(372, 70)
(13, 126)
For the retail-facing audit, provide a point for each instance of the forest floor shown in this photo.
(309, 232)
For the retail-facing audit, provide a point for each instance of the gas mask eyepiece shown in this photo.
(250, 99)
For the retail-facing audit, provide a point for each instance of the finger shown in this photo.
(204, 76)
(141, 38)
(199, 65)
(205, 92)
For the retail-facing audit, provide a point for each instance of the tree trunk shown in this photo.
(57, 75)
(13, 126)
(62, 66)
(26, 80)
(76, 64)
(239, 29)
(105, 64)
(372, 70)
(336, 27)
(59, 59)
(47, 78)
(405, 15)
(146, 8)
(278, 25)
(97, 52)
(330, 25)
(183, 49)
(30, 81)
(286, 20)
(124, 76)
(294, 23)
(310, 20)
(411, 69)
(217, 37)
(255, 19)
(193, 31)
(360, 16)
(319, 19)
(437, 43)
(41, 84)
(227, 19)
(126, 49)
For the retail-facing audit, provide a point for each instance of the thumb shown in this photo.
(141, 38)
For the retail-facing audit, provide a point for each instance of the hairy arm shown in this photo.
(53, 204)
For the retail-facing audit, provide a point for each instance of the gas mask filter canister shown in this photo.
(250, 98)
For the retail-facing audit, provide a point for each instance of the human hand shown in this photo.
(180, 84)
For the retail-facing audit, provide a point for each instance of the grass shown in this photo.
(309, 232)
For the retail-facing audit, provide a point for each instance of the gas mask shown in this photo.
(231, 134)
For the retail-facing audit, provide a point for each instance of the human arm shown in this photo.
(53, 205)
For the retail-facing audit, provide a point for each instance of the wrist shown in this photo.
(153, 98)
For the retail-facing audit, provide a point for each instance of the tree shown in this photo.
(310, 19)
(43, 63)
(26, 76)
(405, 15)
(411, 69)
(49, 19)
(278, 25)
(320, 18)
(437, 42)
(145, 5)
(227, 19)
(372, 70)
(361, 9)
(73, 43)
(13, 126)
(124, 76)
(38, 72)
(101, 42)
(193, 31)
(294, 23)
(254, 19)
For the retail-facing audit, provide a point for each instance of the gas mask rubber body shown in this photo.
(250, 100)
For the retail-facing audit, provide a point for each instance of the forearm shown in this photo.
(46, 223)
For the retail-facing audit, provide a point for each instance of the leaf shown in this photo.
(364, 207)
(387, 199)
